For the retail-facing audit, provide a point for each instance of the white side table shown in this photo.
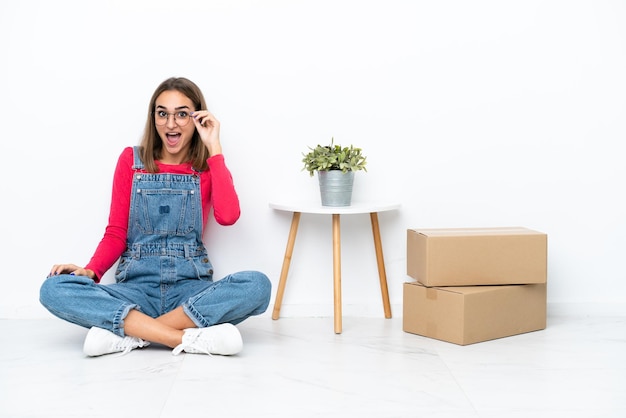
(297, 208)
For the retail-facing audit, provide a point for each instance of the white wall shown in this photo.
(481, 113)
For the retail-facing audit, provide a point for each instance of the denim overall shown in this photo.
(165, 266)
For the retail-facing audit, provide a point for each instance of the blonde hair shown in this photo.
(151, 145)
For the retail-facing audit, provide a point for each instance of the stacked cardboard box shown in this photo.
(475, 284)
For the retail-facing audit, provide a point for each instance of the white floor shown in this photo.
(297, 367)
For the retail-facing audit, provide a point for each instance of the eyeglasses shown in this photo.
(181, 117)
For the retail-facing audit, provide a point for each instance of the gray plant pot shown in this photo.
(336, 187)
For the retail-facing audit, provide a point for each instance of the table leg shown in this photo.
(286, 262)
(382, 275)
(337, 271)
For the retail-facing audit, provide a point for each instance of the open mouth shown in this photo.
(172, 138)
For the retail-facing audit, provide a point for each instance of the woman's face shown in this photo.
(172, 116)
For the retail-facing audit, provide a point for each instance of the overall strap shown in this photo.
(137, 163)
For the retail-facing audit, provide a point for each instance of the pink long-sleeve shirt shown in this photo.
(216, 188)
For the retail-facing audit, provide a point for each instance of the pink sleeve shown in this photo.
(221, 193)
(113, 243)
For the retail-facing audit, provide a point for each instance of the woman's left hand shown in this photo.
(208, 128)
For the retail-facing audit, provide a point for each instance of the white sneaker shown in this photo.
(100, 341)
(223, 339)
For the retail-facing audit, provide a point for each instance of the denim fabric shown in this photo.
(165, 266)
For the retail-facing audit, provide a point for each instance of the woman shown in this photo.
(164, 292)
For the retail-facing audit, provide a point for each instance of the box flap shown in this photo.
(453, 232)
(461, 290)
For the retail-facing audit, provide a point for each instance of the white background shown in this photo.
(471, 113)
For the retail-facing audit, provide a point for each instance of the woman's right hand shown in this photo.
(71, 269)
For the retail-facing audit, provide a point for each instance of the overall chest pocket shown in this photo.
(165, 211)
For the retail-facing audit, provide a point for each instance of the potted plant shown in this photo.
(335, 166)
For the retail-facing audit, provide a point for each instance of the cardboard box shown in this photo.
(470, 314)
(477, 256)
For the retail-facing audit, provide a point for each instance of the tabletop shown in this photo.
(316, 207)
